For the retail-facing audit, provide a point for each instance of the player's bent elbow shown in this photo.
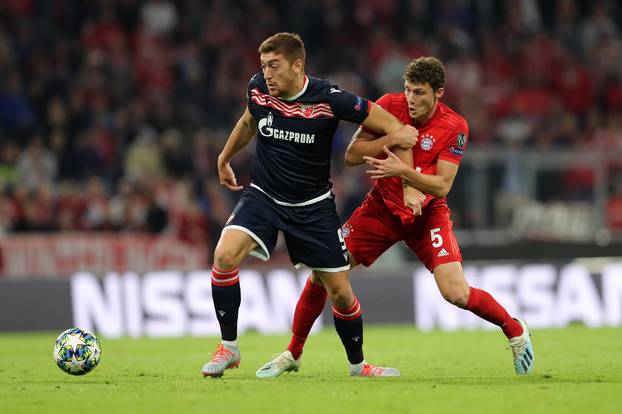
(443, 189)
(352, 160)
(440, 193)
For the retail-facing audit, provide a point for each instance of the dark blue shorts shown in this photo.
(312, 233)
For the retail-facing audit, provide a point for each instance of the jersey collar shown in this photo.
(299, 94)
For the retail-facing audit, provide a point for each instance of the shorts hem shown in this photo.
(301, 204)
(261, 252)
(362, 262)
(434, 265)
(324, 269)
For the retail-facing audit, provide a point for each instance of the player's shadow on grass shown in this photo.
(72, 384)
(509, 380)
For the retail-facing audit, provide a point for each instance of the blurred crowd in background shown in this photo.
(112, 113)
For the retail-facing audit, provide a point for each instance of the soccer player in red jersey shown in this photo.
(383, 220)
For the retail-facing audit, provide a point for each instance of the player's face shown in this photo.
(421, 99)
(280, 75)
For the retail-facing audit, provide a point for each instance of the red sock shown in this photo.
(225, 277)
(309, 307)
(485, 306)
(350, 313)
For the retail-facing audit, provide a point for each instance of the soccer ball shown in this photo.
(77, 351)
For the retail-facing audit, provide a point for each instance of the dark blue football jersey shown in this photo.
(295, 135)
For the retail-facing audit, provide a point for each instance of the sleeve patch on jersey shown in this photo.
(457, 151)
(358, 104)
(461, 140)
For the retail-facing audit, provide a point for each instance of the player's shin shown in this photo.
(227, 298)
(308, 309)
(349, 326)
(486, 307)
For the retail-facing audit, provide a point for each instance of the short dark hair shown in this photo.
(287, 44)
(426, 69)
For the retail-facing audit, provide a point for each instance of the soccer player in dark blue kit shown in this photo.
(294, 117)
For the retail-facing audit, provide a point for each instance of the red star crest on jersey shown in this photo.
(307, 110)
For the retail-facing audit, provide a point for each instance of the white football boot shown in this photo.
(280, 363)
(522, 351)
(225, 357)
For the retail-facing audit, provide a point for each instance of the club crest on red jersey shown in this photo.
(427, 142)
(345, 230)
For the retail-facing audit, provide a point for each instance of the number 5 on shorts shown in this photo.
(437, 239)
(344, 248)
(342, 241)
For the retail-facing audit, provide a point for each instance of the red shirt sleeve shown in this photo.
(456, 144)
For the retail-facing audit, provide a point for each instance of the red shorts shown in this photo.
(372, 229)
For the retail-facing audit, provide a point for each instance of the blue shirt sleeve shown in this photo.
(347, 106)
(253, 83)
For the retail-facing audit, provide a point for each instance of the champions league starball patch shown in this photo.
(461, 140)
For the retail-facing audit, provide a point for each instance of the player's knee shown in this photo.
(456, 295)
(226, 257)
(341, 296)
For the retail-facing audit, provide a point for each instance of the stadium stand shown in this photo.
(112, 113)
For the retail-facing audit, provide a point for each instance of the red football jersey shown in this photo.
(443, 137)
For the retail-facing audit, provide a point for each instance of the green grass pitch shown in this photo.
(578, 370)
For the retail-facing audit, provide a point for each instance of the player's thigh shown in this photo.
(352, 260)
(314, 239)
(369, 232)
(257, 217)
(232, 248)
(451, 283)
(315, 278)
(433, 240)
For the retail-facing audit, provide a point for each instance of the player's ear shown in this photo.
(297, 66)
(439, 93)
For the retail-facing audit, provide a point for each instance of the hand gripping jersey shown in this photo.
(294, 138)
(443, 137)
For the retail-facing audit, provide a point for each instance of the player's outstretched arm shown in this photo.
(389, 131)
(364, 143)
(437, 184)
(244, 130)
